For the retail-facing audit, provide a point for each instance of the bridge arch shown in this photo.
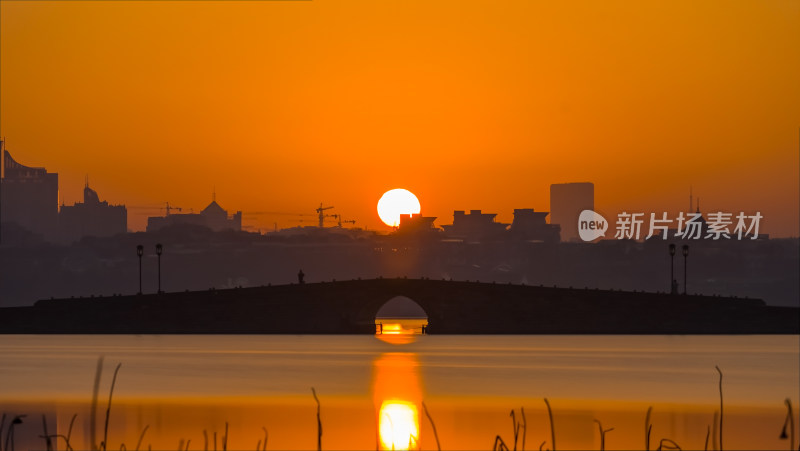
(401, 315)
(401, 307)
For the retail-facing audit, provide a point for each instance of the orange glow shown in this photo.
(471, 105)
(397, 339)
(399, 330)
(396, 329)
(398, 426)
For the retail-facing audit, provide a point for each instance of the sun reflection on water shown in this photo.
(398, 425)
(397, 395)
(400, 320)
(400, 330)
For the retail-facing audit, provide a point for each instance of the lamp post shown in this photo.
(140, 252)
(685, 258)
(672, 269)
(159, 249)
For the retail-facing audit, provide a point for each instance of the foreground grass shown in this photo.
(517, 440)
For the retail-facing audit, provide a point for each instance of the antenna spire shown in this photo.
(691, 203)
(214, 194)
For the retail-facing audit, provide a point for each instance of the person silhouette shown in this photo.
(300, 277)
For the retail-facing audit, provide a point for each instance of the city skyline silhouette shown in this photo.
(359, 224)
(568, 199)
(284, 107)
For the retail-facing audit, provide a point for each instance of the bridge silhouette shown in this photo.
(349, 307)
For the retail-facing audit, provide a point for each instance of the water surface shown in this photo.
(181, 386)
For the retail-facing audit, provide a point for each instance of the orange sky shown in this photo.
(470, 105)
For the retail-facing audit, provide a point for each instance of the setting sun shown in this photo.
(397, 202)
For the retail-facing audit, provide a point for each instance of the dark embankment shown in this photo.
(349, 307)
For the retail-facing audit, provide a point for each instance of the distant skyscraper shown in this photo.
(91, 218)
(29, 197)
(567, 200)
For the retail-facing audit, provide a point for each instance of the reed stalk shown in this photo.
(714, 433)
(602, 434)
(108, 410)
(552, 426)
(69, 431)
(47, 439)
(499, 444)
(93, 411)
(433, 425)
(2, 422)
(790, 421)
(515, 426)
(10, 434)
(720, 407)
(666, 443)
(141, 436)
(319, 421)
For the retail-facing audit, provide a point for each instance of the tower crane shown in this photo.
(168, 208)
(346, 221)
(322, 215)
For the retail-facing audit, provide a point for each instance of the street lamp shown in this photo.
(685, 255)
(159, 249)
(672, 269)
(140, 252)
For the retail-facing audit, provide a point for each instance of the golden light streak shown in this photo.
(397, 396)
(398, 425)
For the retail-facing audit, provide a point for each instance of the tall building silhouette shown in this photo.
(567, 200)
(29, 197)
(91, 218)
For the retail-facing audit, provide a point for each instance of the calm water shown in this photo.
(185, 388)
